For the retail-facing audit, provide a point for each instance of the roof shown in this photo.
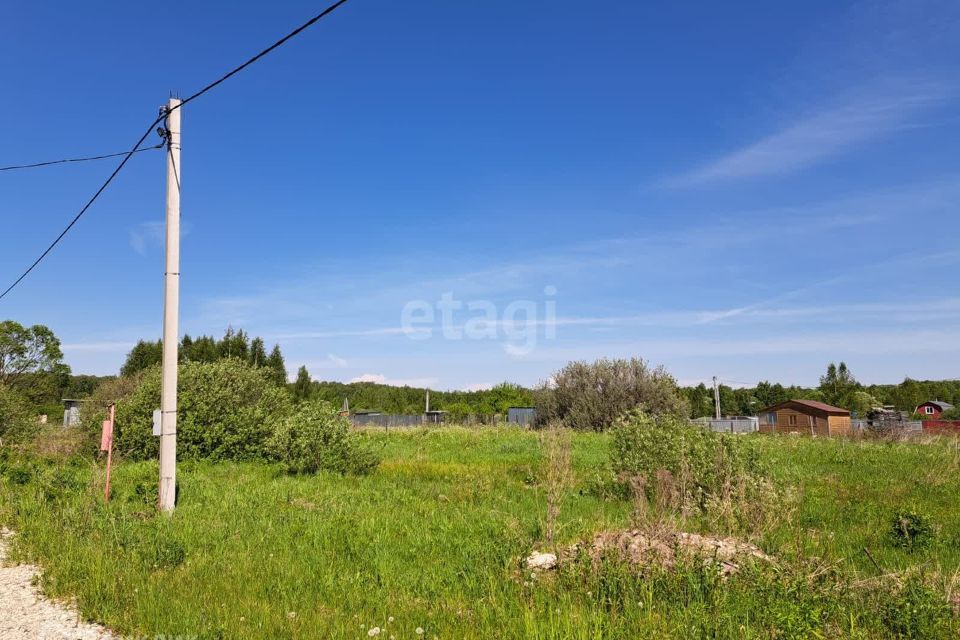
(814, 405)
(940, 404)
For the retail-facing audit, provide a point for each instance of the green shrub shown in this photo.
(916, 611)
(16, 420)
(226, 411)
(457, 413)
(591, 396)
(316, 438)
(685, 467)
(910, 529)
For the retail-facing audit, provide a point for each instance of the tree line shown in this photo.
(371, 396)
(837, 387)
(233, 344)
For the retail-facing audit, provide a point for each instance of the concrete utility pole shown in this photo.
(716, 399)
(171, 314)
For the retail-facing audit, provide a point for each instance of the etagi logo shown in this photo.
(520, 324)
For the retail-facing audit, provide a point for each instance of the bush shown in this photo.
(94, 410)
(226, 411)
(685, 467)
(910, 529)
(590, 397)
(16, 420)
(316, 438)
(916, 611)
(457, 413)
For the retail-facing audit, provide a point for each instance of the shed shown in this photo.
(931, 409)
(523, 416)
(71, 411)
(805, 417)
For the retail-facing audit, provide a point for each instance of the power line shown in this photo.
(102, 188)
(306, 25)
(85, 159)
(126, 156)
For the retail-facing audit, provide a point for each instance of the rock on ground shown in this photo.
(542, 561)
(663, 550)
(26, 615)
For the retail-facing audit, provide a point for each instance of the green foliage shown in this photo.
(370, 396)
(838, 387)
(688, 467)
(457, 412)
(226, 411)
(916, 611)
(276, 368)
(233, 344)
(15, 415)
(590, 397)
(911, 529)
(435, 539)
(316, 438)
(951, 414)
(25, 351)
(302, 387)
(861, 402)
(145, 354)
(837, 384)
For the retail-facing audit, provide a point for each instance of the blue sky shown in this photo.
(748, 190)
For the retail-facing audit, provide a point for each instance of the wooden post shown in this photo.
(107, 439)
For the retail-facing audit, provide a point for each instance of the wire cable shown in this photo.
(85, 159)
(126, 156)
(96, 195)
(306, 25)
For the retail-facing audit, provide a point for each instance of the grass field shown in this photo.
(434, 540)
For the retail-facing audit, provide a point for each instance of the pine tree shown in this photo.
(258, 353)
(186, 347)
(278, 369)
(143, 355)
(302, 387)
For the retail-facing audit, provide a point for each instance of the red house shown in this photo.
(931, 409)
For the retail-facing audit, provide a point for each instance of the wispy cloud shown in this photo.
(152, 235)
(379, 378)
(852, 121)
(97, 347)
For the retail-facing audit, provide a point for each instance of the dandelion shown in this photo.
(374, 632)
(419, 631)
(390, 619)
(292, 615)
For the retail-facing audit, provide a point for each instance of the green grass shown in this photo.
(434, 539)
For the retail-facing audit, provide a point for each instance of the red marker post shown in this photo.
(106, 444)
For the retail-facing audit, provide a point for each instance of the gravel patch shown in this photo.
(26, 615)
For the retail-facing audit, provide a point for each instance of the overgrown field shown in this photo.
(434, 539)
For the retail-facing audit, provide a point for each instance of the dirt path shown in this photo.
(26, 615)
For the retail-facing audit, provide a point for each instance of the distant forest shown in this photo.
(838, 386)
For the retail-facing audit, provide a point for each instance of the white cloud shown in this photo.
(479, 386)
(379, 378)
(97, 347)
(832, 131)
(147, 235)
(153, 235)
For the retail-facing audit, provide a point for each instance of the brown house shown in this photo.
(806, 417)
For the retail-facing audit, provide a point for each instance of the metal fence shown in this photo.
(742, 425)
(387, 421)
(524, 416)
(391, 421)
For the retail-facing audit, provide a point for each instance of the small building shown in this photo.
(931, 409)
(807, 417)
(71, 411)
(523, 416)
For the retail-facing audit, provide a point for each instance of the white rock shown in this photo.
(542, 561)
